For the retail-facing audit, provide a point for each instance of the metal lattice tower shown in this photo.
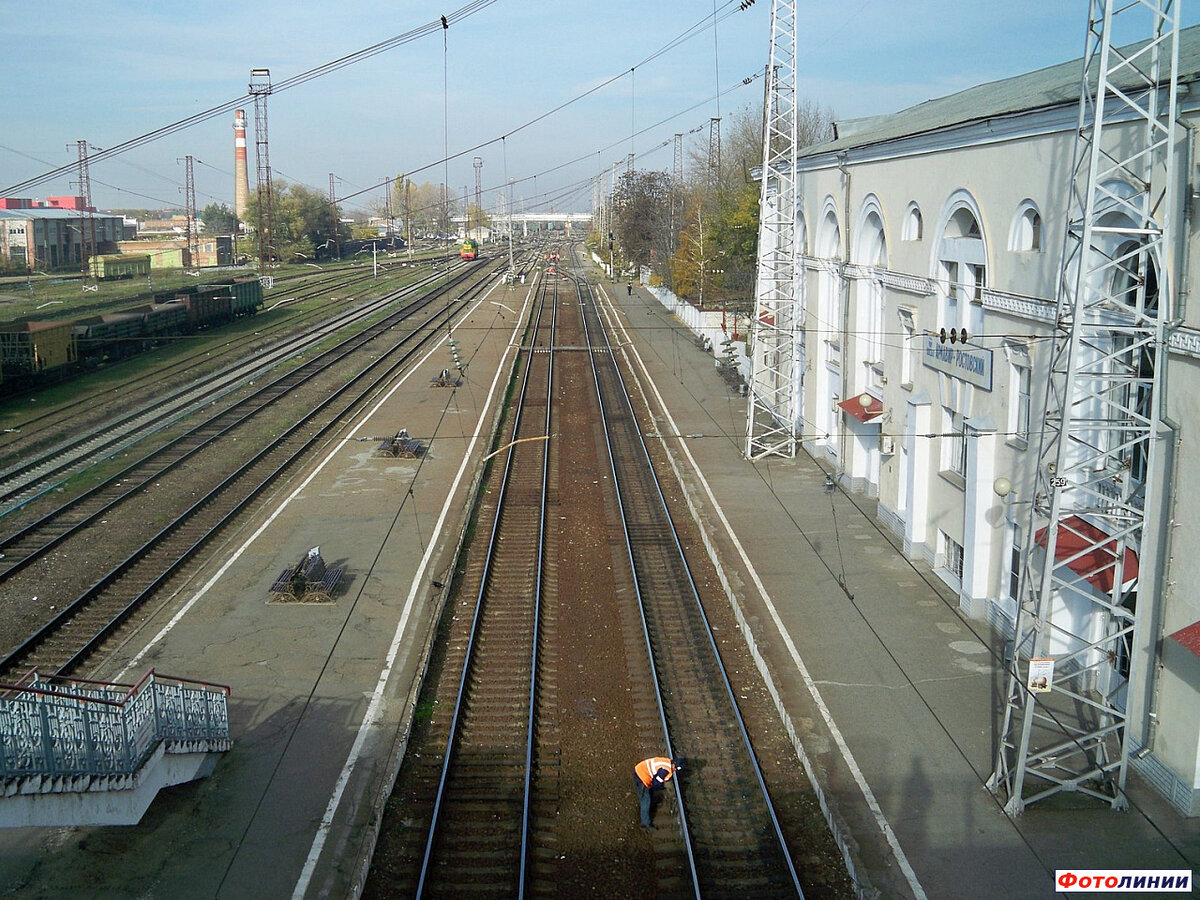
(714, 150)
(478, 163)
(260, 89)
(87, 222)
(191, 232)
(334, 252)
(676, 188)
(387, 207)
(1080, 612)
(773, 390)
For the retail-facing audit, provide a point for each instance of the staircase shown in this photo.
(76, 752)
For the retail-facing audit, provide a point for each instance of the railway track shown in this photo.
(478, 835)
(62, 642)
(40, 470)
(496, 746)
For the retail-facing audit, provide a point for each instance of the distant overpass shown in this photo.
(527, 222)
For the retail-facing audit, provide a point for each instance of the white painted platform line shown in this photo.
(839, 739)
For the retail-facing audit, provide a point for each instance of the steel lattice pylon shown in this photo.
(773, 388)
(1079, 614)
(260, 89)
(192, 232)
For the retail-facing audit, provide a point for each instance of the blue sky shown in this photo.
(145, 65)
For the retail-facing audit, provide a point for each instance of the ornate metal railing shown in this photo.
(56, 728)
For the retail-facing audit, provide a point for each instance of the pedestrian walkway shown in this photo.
(894, 694)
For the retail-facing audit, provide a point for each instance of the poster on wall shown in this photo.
(1041, 675)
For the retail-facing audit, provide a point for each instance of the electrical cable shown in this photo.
(461, 13)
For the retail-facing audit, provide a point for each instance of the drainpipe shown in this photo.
(844, 287)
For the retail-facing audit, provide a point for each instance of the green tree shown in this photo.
(304, 222)
(219, 219)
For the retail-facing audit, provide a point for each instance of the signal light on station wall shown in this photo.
(954, 335)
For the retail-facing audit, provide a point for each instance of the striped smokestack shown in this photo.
(241, 185)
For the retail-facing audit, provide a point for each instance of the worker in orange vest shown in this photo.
(649, 776)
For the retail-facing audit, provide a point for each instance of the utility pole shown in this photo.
(1084, 704)
(334, 251)
(774, 388)
(87, 222)
(191, 232)
(714, 150)
(260, 89)
(478, 163)
(387, 208)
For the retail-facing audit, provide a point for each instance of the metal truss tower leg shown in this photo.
(774, 388)
(1080, 618)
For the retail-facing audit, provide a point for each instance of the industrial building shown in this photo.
(929, 251)
(46, 238)
(168, 253)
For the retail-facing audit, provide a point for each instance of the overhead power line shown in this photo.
(225, 108)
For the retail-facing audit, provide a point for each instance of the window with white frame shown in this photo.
(962, 273)
(954, 442)
(1020, 387)
(913, 224)
(1026, 234)
(909, 346)
(953, 562)
(1014, 563)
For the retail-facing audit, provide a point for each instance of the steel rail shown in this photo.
(514, 447)
(733, 705)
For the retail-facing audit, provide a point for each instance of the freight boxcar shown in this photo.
(207, 306)
(110, 335)
(247, 296)
(30, 348)
(164, 319)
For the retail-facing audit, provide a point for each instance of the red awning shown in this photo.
(855, 407)
(1098, 564)
(1189, 637)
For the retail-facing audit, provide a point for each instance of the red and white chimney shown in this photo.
(241, 178)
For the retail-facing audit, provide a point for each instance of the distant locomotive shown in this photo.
(470, 249)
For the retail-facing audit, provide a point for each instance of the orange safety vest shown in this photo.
(647, 767)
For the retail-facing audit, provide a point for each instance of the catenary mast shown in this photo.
(774, 345)
(1084, 606)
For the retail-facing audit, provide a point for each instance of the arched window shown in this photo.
(870, 252)
(828, 324)
(913, 224)
(1026, 233)
(961, 271)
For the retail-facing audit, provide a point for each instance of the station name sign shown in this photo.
(971, 364)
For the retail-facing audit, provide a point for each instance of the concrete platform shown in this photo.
(896, 696)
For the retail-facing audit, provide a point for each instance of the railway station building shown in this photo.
(951, 216)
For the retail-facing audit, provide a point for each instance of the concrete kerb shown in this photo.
(841, 832)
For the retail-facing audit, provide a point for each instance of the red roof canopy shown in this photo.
(1098, 564)
(855, 407)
